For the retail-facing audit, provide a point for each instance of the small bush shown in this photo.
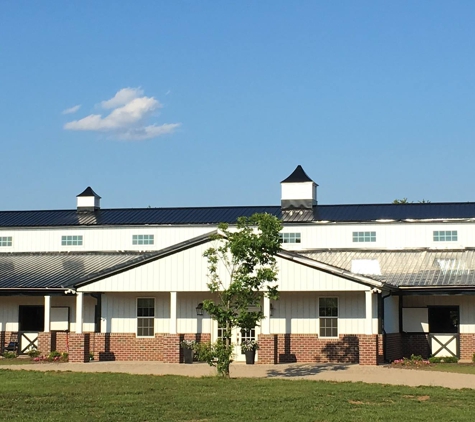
(33, 353)
(473, 358)
(445, 359)
(413, 361)
(9, 355)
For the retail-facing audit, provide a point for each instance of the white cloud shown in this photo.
(71, 110)
(127, 119)
(124, 96)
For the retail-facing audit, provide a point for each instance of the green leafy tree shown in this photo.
(406, 201)
(247, 252)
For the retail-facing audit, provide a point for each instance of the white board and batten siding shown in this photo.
(297, 313)
(394, 235)
(9, 311)
(119, 313)
(99, 238)
(415, 312)
(188, 271)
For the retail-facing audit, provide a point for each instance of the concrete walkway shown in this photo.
(316, 372)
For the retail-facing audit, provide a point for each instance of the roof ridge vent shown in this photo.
(88, 200)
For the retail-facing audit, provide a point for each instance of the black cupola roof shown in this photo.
(88, 192)
(298, 176)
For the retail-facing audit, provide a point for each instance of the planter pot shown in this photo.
(250, 357)
(188, 355)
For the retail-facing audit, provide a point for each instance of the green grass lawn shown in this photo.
(68, 396)
(459, 368)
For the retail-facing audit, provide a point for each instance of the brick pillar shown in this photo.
(369, 349)
(467, 346)
(44, 343)
(79, 346)
(171, 348)
(267, 352)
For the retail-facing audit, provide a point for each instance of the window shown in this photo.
(142, 239)
(445, 236)
(6, 241)
(145, 317)
(289, 237)
(364, 236)
(71, 240)
(328, 315)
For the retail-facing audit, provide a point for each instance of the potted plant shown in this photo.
(249, 348)
(188, 347)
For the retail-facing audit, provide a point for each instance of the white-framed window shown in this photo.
(445, 235)
(328, 316)
(364, 236)
(143, 239)
(6, 241)
(145, 317)
(71, 240)
(290, 237)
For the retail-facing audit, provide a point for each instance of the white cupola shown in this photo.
(298, 196)
(88, 200)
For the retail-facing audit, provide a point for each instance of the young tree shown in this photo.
(248, 255)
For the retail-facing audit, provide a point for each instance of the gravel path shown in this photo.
(352, 373)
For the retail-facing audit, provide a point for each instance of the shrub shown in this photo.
(9, 355)
(473, 358)
(413, 361)
(33, 353)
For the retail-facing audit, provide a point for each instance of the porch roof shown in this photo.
(418, 268)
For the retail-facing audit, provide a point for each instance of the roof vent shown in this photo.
(88, 200)
(299, 193)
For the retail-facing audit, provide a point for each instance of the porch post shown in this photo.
(79, 309)
(47, 323)
(369, 312)
(266, 321)
(173, 303)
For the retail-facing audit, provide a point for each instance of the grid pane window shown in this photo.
(71, 240)
(145, 317)
(445, 236)
(289, 237)
(6, 241)
(364, 236)
(142, 239)
(328, 316)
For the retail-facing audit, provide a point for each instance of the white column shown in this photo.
(265, 325)
(79, 311)
(173, 302)
(369, 312)
(47, 314)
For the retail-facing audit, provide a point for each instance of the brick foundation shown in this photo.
(394, 346)
(467, 346)
(306, 348)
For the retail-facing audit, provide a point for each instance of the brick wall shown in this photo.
(394, 346)
(79, 347)
(285, 348)
(467, 346)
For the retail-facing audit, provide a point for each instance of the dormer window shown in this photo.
(6, 241)
(142, 239)
(364, 236)
(289, 237)
(445, 236)
(71, 240)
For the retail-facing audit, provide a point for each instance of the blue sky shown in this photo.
(214, 103)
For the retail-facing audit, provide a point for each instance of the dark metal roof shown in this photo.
(405, 268)
(298, 176)
(215, 215)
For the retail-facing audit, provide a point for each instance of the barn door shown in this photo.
(444, 336)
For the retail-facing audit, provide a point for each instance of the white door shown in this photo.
(237, 336)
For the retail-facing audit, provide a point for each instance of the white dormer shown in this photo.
(88, 200)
